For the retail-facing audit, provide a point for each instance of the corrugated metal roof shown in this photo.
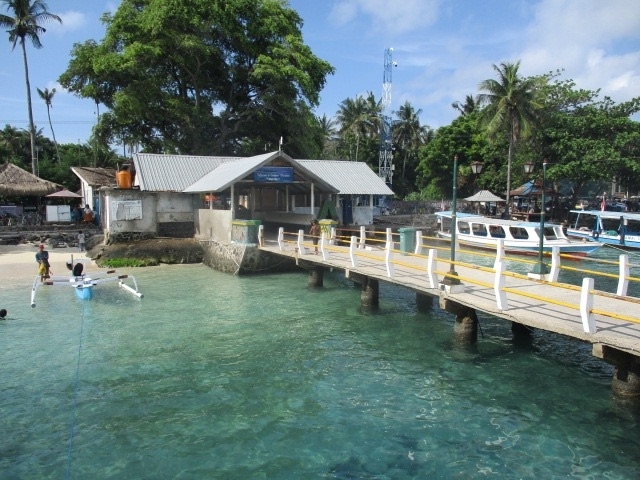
(224, 175)
(173, 173)
(349, 178)
(191, 174)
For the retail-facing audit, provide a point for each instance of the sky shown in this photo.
(443, 50)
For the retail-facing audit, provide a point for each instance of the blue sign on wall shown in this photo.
(273, 174)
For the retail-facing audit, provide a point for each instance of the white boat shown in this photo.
(621, 229)
(83, 283)
(518, 236)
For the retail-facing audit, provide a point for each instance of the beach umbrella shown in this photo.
(63, 194)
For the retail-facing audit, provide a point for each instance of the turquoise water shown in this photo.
(217, 376)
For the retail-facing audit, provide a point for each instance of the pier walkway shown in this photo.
(602, 318)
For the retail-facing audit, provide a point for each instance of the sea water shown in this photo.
(212, 375)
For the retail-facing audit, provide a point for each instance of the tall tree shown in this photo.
(201, 77)
(359, 121)
(328, 130)
(25, 21)
(408, 137)
(511, 103)
(469, 105)
(47, 96)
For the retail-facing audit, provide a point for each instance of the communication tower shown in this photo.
(385, 163)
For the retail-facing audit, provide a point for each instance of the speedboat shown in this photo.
(517, 236)
(621, 229)
(83, 283)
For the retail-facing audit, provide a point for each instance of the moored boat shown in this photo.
(621, 229)
(517, 236)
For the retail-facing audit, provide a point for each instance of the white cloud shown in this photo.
(392, 16)
(596, 43)
(71, 21)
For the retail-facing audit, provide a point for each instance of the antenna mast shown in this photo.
(385, 163)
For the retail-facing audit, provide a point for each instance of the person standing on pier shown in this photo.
(315, 233)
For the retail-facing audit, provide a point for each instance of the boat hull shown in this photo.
(518, 237)
(630, 241)
(84, 292)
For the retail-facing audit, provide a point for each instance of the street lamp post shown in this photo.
(540, 269)
(452, 278)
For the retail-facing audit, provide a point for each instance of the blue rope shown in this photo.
(75, 398)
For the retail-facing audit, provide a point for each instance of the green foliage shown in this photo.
(126, 262)
(202, 77)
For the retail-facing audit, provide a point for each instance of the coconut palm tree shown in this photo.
(408, 137)
(47, 96)
(328, 131)
(469, 105)
(359, 118)
(511, 103)
(25, 21)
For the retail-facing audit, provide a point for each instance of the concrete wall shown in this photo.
(162, 214)
(213, 225)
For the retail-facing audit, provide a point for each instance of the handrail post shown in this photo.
(281, 238)
(431, 268)
(555, 264)
(418, 249)
(363, 236)
(302, 250)
(332, 240)
(586, 306)
(352, 251)
(498, 285)
(388, 259)
(323, 244)
(389, 235)
(261, 235)
(623, 281)
(499, 254)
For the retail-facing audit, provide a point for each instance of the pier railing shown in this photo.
(380, 248)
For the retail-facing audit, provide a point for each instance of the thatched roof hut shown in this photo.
(16, 182)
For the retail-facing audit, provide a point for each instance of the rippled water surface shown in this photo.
(217, 376)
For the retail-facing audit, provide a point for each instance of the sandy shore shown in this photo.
(18, 262)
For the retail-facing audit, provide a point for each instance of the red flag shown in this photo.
(603, 204)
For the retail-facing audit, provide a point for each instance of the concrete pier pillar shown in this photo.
(626, 376)
(316, 277)
(369, 296)
(423, 302)
(522, 334)
(465, 329)
(626, 380)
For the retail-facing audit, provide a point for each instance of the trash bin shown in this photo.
(245, 231)
(407, 239)
(325, 226)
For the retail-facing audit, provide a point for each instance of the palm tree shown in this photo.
(469, 105)
(47, 96)
(409, 135)
(359, 118)
(328, 132)
(511, 103)
(26, 22)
